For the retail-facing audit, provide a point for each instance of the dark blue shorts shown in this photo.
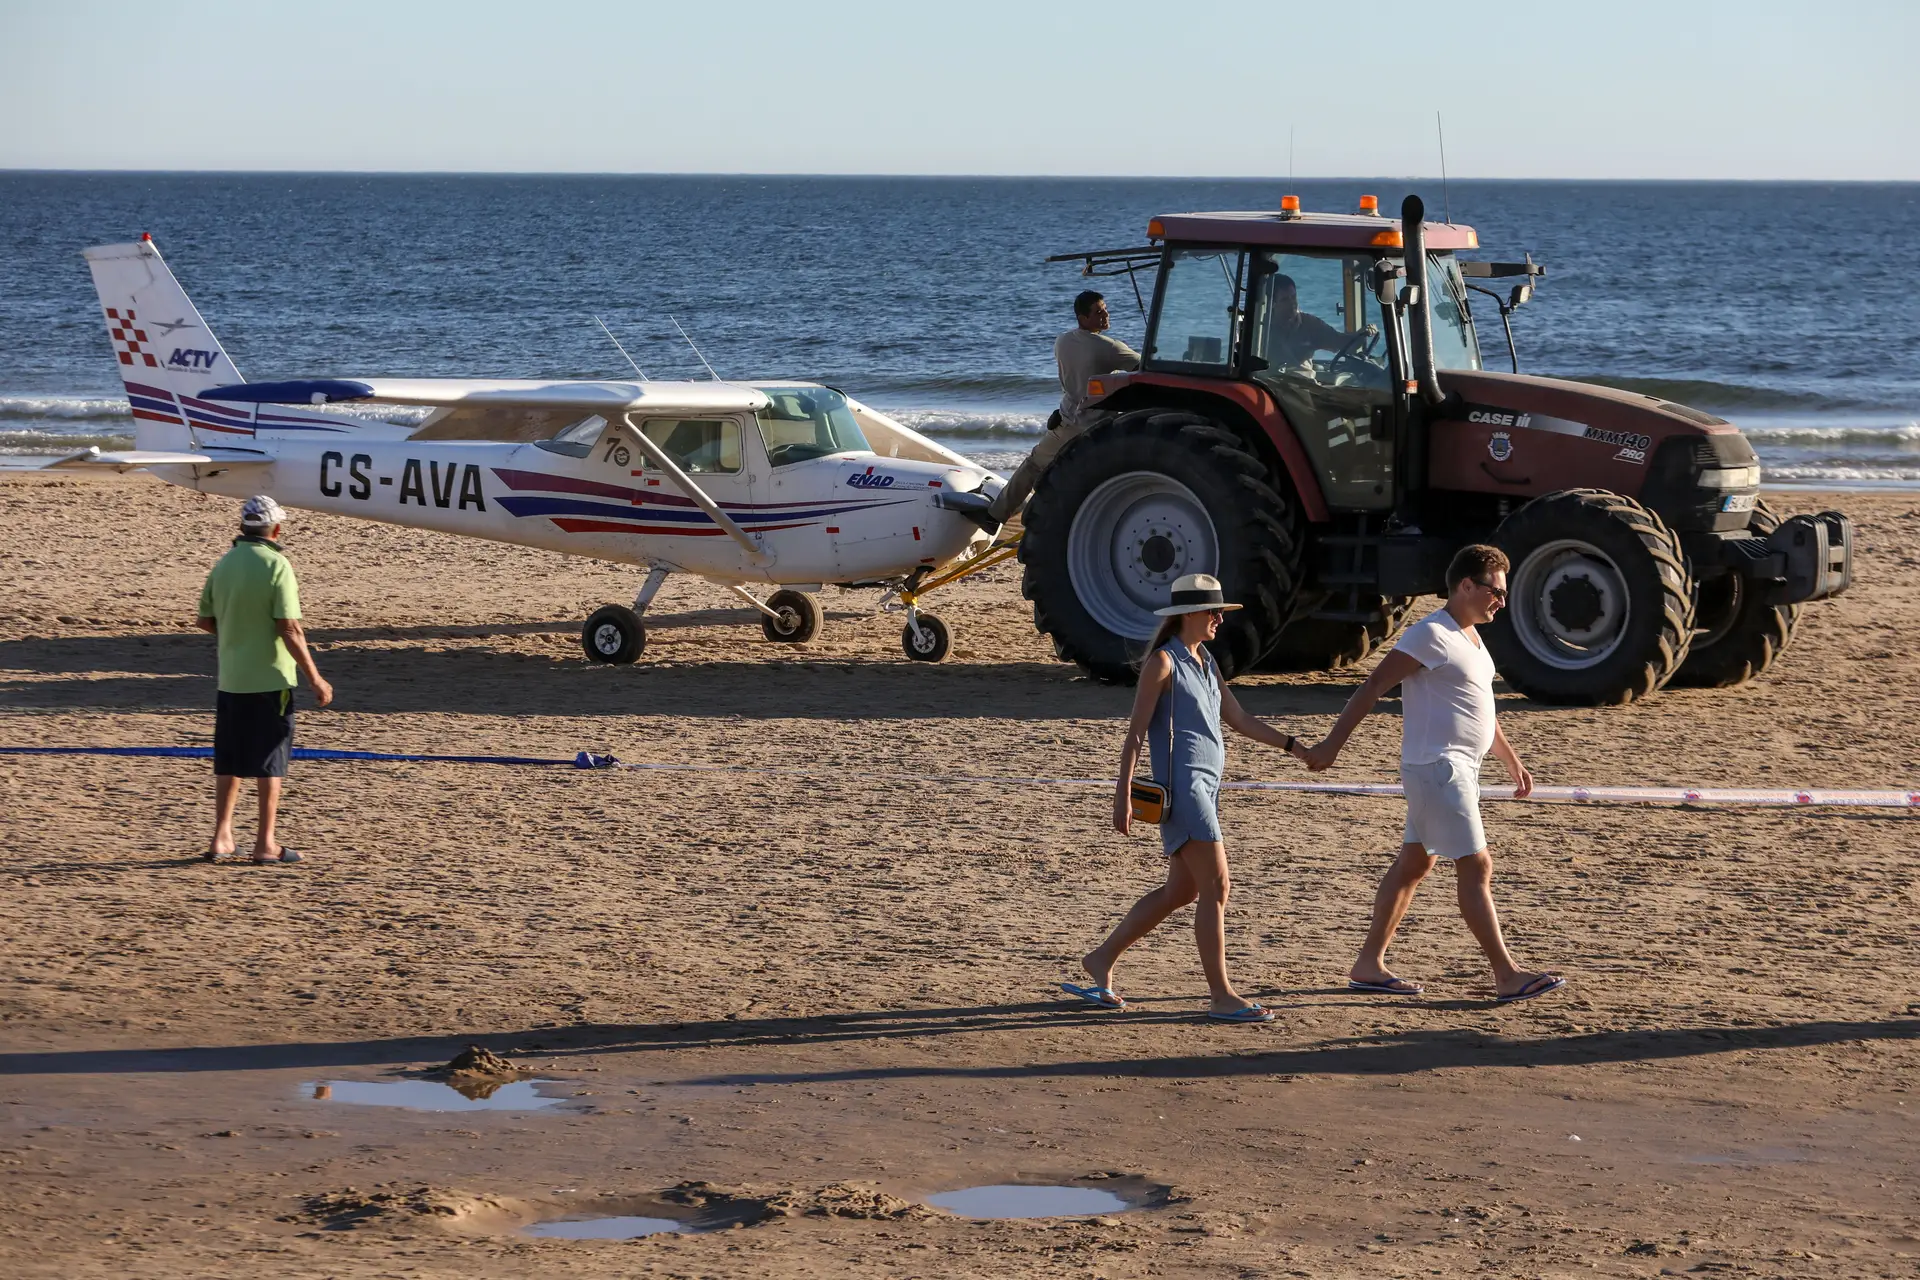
(253, 734)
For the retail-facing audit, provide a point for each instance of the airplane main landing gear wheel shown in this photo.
(929, 641)
(613, 634)
(799, 620)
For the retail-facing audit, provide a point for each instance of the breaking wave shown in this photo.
(961, 424)
(81, 408)
(1907, 434)
(51, 442)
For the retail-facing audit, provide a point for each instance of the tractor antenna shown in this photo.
(1445, 196)
(696, 351)
(1290, 133)
(617, 347)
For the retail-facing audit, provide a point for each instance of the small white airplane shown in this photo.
(789, 485)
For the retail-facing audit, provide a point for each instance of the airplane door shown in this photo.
(713, 452)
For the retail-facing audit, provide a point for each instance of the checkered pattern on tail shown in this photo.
(129, 342)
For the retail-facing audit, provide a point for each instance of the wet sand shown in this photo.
(830, 995)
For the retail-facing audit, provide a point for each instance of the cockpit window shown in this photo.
(808, 422)
(576, 438)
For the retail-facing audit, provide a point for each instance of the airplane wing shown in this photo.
(129, 459)
(587, 397)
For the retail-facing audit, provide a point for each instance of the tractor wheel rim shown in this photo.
(1129, 540)
(1570, 604)
(607, 638)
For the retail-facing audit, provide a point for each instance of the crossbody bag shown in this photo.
(1150, 798)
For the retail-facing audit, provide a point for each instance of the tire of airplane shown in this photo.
(613, 634)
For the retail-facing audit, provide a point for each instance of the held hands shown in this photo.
(1320, 756)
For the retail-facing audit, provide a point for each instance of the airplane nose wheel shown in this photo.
(925, 638)
(613, 634)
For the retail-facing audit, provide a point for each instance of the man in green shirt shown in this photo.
(251, 603)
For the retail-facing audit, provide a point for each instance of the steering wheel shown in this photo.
(1357, 349)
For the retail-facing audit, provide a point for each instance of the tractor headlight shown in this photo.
(1731, 477)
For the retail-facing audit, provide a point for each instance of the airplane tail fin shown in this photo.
(167, 354)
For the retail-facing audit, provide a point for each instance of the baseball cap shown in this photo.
(261, 512)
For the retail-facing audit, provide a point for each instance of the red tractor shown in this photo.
(1311, 424)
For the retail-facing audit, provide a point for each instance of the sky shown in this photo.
(1547, 89)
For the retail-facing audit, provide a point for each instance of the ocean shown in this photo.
(1791, 309)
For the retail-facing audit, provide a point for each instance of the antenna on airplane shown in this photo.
(696, 350)
(617, 347)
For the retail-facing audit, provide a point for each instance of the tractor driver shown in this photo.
(1082, 352)
(1293, 335)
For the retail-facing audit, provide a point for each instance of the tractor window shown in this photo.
(808, 422)
(1197, 316)
(698, 446)
(1315, 317)
(1454, 343)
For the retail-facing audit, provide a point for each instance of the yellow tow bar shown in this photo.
(993, 555)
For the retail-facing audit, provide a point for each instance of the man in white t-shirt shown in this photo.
(1085, 351)
(1448, 725)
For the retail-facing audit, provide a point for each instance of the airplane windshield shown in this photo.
(808, 422)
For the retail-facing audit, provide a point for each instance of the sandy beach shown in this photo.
(828, 992)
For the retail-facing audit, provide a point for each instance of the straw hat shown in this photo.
(1195, 593)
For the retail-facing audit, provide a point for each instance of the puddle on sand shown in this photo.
(1013, 1200)
(431, 1095)
(604, 1228)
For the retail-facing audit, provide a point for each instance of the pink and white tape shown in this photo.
(1810, 797)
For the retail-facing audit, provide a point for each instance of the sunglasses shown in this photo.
(1499, 593)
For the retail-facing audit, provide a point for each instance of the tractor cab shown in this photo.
(1312, 309)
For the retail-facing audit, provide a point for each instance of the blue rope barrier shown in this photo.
(581, 760)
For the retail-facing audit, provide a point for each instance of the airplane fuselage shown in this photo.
(842, 518)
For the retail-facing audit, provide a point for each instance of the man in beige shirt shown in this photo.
(1082, 352)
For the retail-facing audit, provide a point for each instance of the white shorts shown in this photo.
(1443, 807)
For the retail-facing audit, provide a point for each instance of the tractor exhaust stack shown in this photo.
(1413, 218)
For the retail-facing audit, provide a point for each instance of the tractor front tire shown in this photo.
(1322, 644)
(1136, 502)
(1599, 600)
(1739, 634)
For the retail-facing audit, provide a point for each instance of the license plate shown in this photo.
(1739, 501)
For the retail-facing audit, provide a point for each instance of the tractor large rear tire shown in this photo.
(1322, 644)
(1740, 633)
(1600, 601)
(1141, 500)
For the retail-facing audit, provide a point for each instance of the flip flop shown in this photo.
(1099, 997)
(1392, 987)
(1252, 1013)
(286, 855)
(1540, 986)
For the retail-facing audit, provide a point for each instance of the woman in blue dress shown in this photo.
(1179, 706)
